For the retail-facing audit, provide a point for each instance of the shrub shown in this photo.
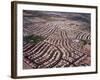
(33, 39)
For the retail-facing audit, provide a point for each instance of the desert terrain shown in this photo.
(56, 39)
